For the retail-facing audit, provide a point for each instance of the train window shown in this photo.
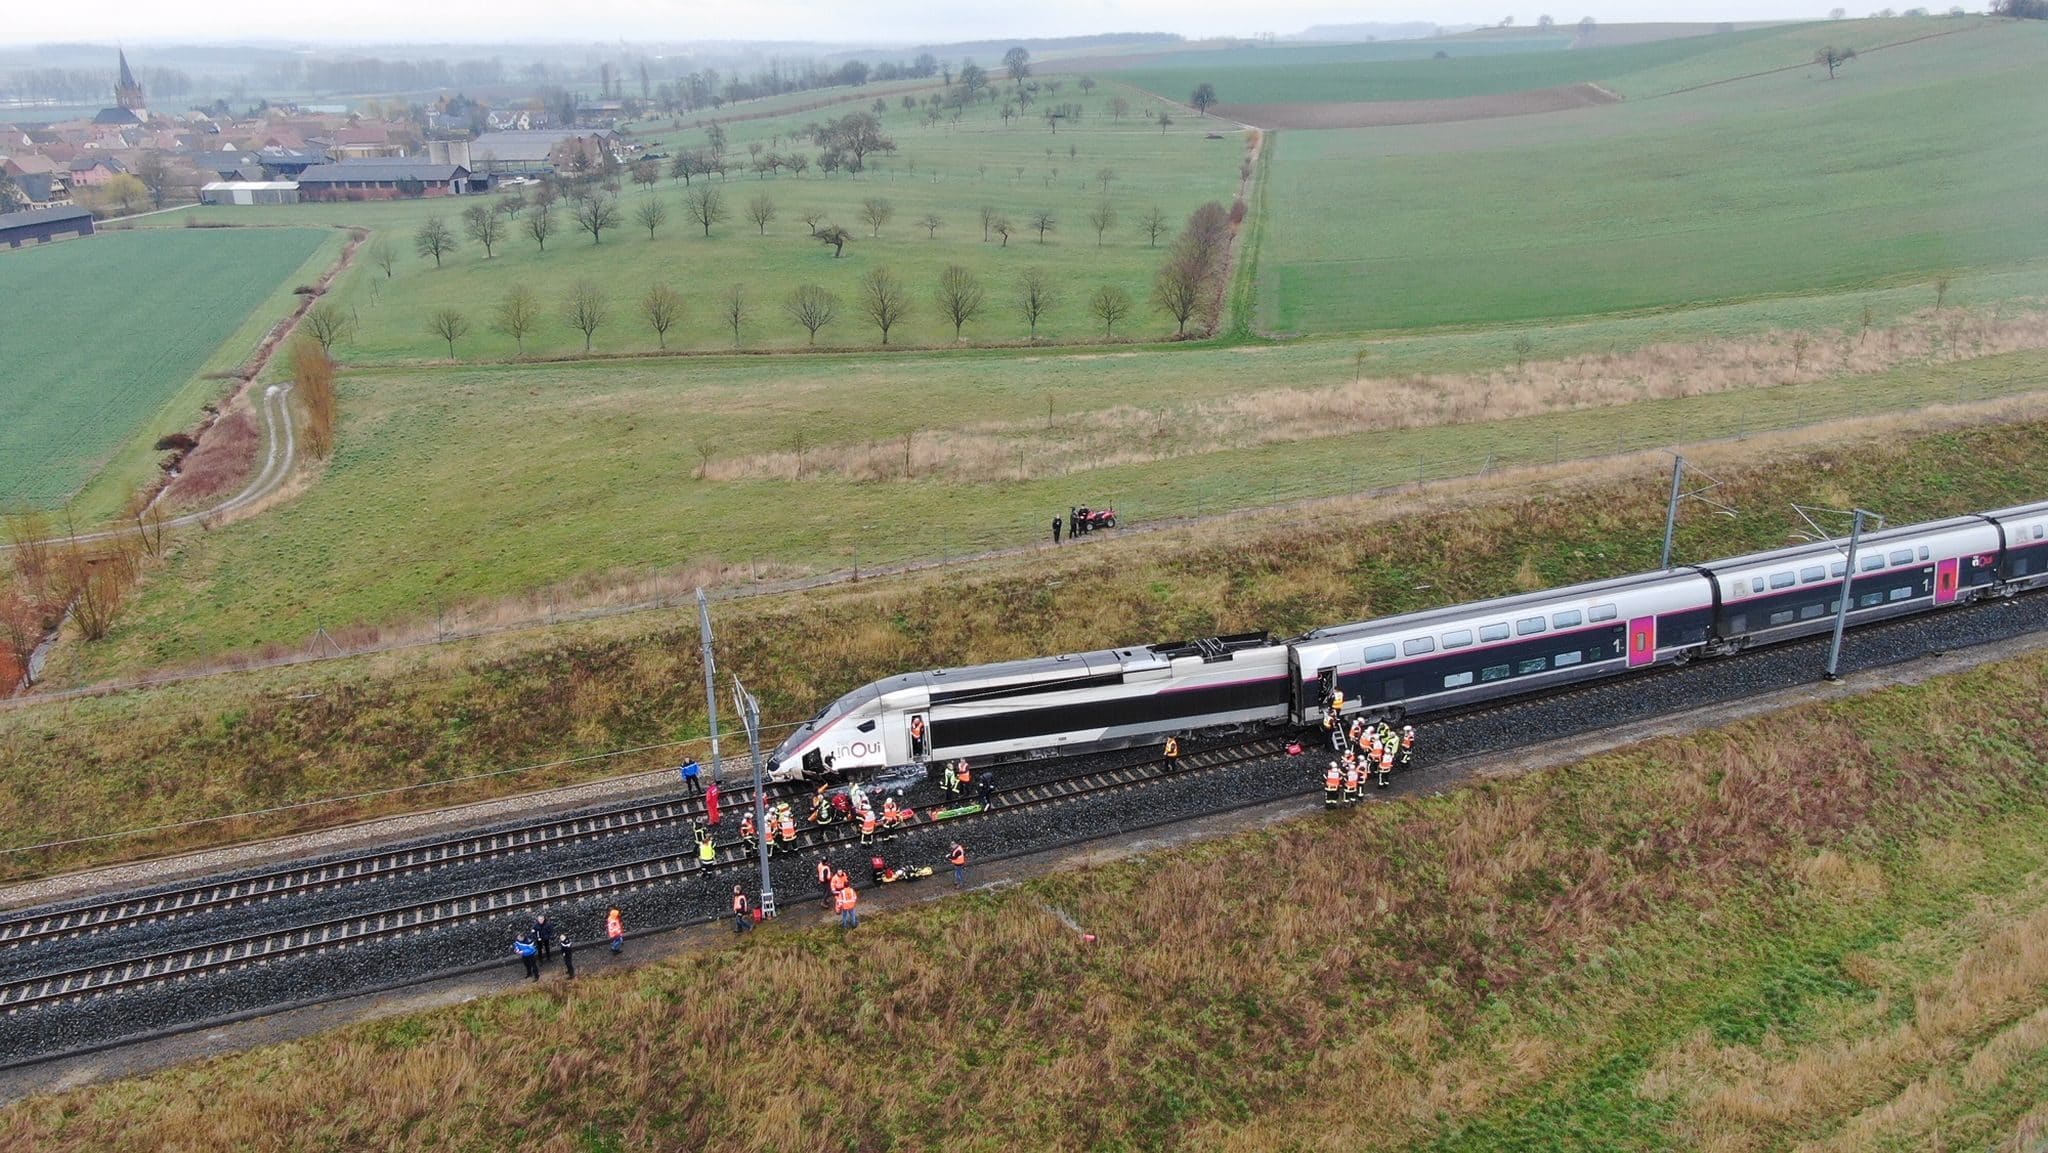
(1924, 554)
(2039, 532)
(1808, 612)
(1902, 556)
(1813, 573)
(1734, 589)
(1871, 562)
(1902, 594)
(1493, 673)
(1838, 568)
(1528, 625)
(1781, 617)
(1457, 680)
(1756, 585)
(1378, 653)
(1570, 658)
(1782, 580)
(1869, 600)
(1497, 632)
(1565, 620)
(1532, 665)
(1418, 646)
(1602, 613)
(1458, 639)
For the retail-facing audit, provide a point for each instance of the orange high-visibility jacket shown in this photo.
(958, 856)
(847, 898)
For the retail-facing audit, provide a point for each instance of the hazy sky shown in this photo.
(137, 22)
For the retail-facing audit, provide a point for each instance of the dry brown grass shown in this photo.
(226, 456)
(1023, 450)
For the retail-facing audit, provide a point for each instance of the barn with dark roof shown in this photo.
(42, 225)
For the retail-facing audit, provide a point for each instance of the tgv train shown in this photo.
(1416, 663)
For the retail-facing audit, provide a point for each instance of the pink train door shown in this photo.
(1945, 580)
(1642, 641)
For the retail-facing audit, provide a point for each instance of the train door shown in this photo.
(1642, 641)
(1946, 578)
(1326, 687)
(920, 736)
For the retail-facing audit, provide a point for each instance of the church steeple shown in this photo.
(127, 93)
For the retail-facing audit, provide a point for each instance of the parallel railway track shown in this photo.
(26, 993)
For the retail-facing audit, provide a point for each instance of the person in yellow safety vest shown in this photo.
(1332, 781)
(1172, 752)
(707, 852)
(867, 826)
(1352, 779)
(1407, 757)
(747, 832)
(821, 807)
(949, 780)
(1337, 703)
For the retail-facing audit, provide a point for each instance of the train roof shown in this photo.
(1426, 617)
(2020, 511)
(1840, 544)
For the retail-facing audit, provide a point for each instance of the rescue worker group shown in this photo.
(1363, 750)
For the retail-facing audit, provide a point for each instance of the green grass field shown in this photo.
(121, 326)
(950, 171)
(1919, 160)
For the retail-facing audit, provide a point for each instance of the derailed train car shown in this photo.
(1417, 663)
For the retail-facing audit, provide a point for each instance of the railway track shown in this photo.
(360, 869)
(26, 993)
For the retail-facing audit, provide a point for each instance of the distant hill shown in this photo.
(1353, 33)
(1052, 44)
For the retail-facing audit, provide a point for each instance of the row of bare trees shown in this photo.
(53, 573)
(880, 296)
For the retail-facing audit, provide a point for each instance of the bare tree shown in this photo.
(813, 307)
(517, 314)
(1833, 57)
(156, 176)
(1177, 289)
(884, 299)
(737, 310)
(1003, 228)
(1103, 176)
(989, 216)
(1205, 95)
(1941, 284)
(382, 256)
(651, 214)
(835, 236)
(706, 206)
(761, 210)
(22, 623)
(1110, 304)
(1152, 224)
(1035, 295)
(540, 225)
(663, 308)
(594, 214)
(1102, 218)
(1119, 108)
(960, 296)
(1044, 222)
(587, 309)
(646, 172)
(450, 325)
(1165, 121)
(484, 226)
(932, 222)
(328, 323)
(875, 212)
(812, 217)
(434, 238)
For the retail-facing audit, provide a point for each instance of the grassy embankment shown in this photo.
(1821, 926)
(949, 170)
(122, 346)
(456, 488)
(244, 741)
(1917, 161)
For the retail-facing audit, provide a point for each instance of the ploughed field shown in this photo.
(103, 334)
